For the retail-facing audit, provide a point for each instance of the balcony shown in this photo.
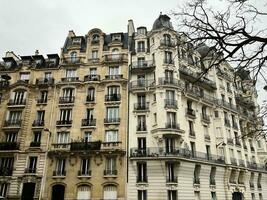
(84, 173)
(6, 171)
(88, 122)
(38, 123)
(209, 98)
(64, 100)
(115, 58)
(205, 118)
(112, 120)
(59, 173)
(9, 146)
(172, 125)
(159, 152)
(141, 106)
(144, 66)
(170, 82)
(108, 172)
(212, 181)
(72, 60)
(171, 103)
(141, 179)
(190, 112)
(91, 78)
(227, 105)
(12, 123)
(35, 144)
(141, 127)
(230, 141)
(16, 102)
(142, 84)
(233, 161)
(168, 61)
(45, 82)
(114, 77)
(111, 145)
(167, 43)
(85, 146)
(70, 79)
(141, 50)
(171, 179)
(30, 170)
(4, 84)
(64, 122)
(113, 97)
(42, 101)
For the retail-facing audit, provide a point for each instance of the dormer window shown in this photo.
(73, 56)
(141, 31)
(116, 37)
(76, 41)
(95, 38)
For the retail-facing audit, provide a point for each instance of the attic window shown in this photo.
(116, 38)
(76, 41)
(95, 38)
(141, 31)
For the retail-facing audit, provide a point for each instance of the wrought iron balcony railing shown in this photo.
(35, 144)
(15, 102)
(84, 172)
(114, 77)
(6, 171)
(141, 106)
(146, 64)
(38, 122)
(91, 78)
(108, 172)
(59, 173)
(171, 103)
(64, 122)
(85, 146)
(170, 81)
(70, 79)
(88, 122)
(12, 123)
(142, 84)
(69, 99)
(9, 146)
(30, 170)
(45, 81)
(112, 120)
(113, 97)
(171, 179)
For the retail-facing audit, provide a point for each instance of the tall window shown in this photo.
(93, 71)
(87, 136)
(84, 192)
(6, 166)
(193, 148)
(213, 196)
(141, 100)
(91, 94)
(171, 119)
(63, 137)
(212, 175)
(168, 57)
(32, 163)
(113, 71)
(170, 169)
(113, 93)
(110, 192)
(14, 116)
(40, 115)
(11, 136)
(196, 174)
(70, 73)
(142, 194)
(111, 136)
(141, 123)
(43, 96)
(4, 189)
(168, 76)
(37, 137)
(73, 57)
(170, 95)
(169, 145)
(85, 167)
(141, 172)
(141, 46)
(112, 114)
(60, 167)
(141, 143)
(191, 128)
(25, 76)
(110, 166)
(167, 39)
(18, 97)
(172, 194)
(65, 115)
(68, 92)
(94, 54)
(90, 114)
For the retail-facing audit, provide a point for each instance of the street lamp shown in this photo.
(44, 170)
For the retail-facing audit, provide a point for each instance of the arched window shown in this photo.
(73, 56)
(110, 192)
(84, 192)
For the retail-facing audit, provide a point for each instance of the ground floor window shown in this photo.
(110, 192)
(84, 192)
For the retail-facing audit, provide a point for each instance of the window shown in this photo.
(47, 76)
(11, 136)
(142, 194)
(113, 71)
(32, 163)
(168, 57)
(141, 143)
(65, 115)
(3, 189)
(84, 192)
(110, 192)
(197, 195)
(96, 38)
(14, 117)
(140, 62)
(40, 116)
(94, 54)
(111, 136)
(141, 123)
(63, 137)
(170, 95)
(113, 114)
(76, 40)
(110, 166)
(141, 46)
(193, 148)
(252, 196)
(37, 137)
(60, 167)
(92, 71)
(191, 128)
(70, 73)
(73, 57)
(169, 145)
(91, 94)
(116, 37)
(208, 152)
(25, 76)
(260, 196)
(141, 172)
(213, 196)
(196, 174)
(171, 119)
(216, 113)
(170, 169)
(87, 136)
(141, 100)
(6, 166)
(68, 93)
(43, 96)
(166, 39)
(212, 176)
(89, 114)
(168, 76)
(155, 118)
(18, 97)
(113, 93)
(172, 194)
(141, 31)
(85, 167)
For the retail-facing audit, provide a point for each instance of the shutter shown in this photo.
(84, 192)
(110, 192)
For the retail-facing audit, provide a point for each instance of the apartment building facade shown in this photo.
(189, 133)
(128, 116)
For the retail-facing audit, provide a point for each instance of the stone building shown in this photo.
(128, 116)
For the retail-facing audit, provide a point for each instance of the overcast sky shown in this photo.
(27, 25)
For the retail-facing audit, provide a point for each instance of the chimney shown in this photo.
(71, 33)
(130, 28)
(36, 52)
